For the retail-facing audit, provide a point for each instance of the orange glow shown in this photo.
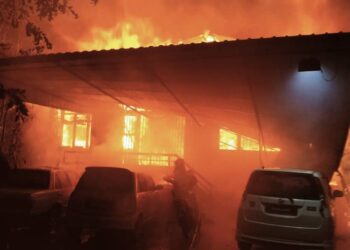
(123, 35)
(152, 142)
(129, 132)
(75, 129)
(134, 35)
(230, 140)
(108, 39)
(208, 38)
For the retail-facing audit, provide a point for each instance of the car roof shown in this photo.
(42, 168)
(106, 168)
(291, 170)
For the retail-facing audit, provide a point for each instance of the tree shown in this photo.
(24, 16)
(13, 113)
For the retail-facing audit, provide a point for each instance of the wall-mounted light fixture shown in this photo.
(309, 64)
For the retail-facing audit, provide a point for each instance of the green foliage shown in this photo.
(15, 14)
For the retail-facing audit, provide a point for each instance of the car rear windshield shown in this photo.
(28, 178)
(107, 180)
(285, 185)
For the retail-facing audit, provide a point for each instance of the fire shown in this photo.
(124, 35)
(75, 129)
(129, 132)
(109, 38)
(230, 140)
(134, 35)
(208, 38)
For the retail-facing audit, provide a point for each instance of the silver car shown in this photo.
(286, 207)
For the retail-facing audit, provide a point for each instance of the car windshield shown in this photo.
(28, 179)
(107, 180)
(285, 185)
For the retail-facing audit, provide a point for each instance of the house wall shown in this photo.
(306, 114)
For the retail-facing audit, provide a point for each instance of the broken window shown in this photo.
(75, 129)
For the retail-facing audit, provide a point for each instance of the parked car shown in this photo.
(111, 198)
(32, 195)
(286, 207)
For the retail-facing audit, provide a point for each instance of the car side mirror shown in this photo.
(338, 193)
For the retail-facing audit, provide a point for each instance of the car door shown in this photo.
(144, 197)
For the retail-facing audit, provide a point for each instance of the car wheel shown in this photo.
(244, 245)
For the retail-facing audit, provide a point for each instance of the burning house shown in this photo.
(226, 107)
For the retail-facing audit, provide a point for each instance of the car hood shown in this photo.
(18, 193)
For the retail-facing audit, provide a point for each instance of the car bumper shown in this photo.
(261, 241)
(262, 233)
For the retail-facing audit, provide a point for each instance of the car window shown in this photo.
(107, 180)
(61, 180)
(285, 185)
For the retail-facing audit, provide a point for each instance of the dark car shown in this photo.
(32, 195)
(111, 198)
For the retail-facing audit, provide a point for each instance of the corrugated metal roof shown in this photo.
(283, 44)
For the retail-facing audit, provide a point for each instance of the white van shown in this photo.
(287, 207)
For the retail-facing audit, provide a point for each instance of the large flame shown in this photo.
(134, 35)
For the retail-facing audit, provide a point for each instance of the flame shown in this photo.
(109, 38)
(230, 140)
(136, 34)
(124, 35)
(75, 129)
(129, 132)
(208, 38)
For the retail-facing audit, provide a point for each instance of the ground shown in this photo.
(217, 232)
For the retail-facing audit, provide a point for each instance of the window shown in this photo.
(228, 140)
(129, 132)
(151, 142)
(285, 185)
(249, 144)
(75, 129)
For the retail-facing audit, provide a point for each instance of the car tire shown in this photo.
(244, 245)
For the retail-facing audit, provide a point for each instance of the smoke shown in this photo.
(181, 20)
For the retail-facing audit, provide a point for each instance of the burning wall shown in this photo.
(114, 137)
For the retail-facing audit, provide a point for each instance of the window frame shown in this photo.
(74, 123)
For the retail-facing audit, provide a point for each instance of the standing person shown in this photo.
(184, 200)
